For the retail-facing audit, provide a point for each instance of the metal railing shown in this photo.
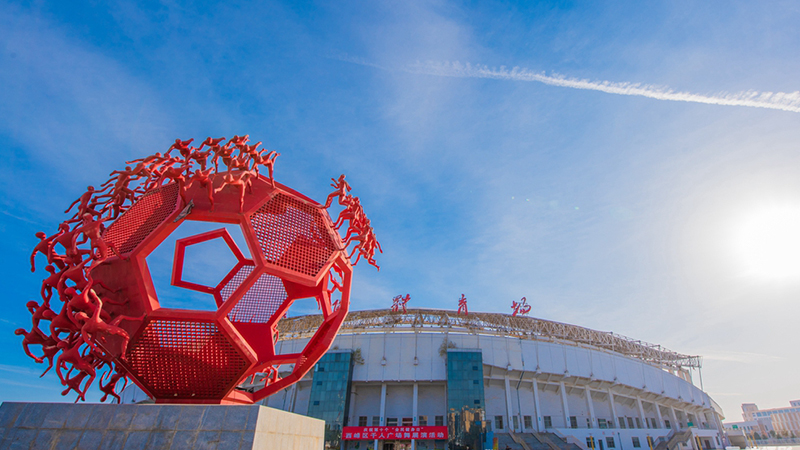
(384, 320)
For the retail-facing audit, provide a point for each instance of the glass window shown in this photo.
(376, 421)
(630, 422)
(636, 443)
(638, 423)
(650, 442)
(667, 425)
(573, 422)
(621, 421)
(601, 423)
(498, 422)
(526, 420)
(408, 421)
(438, 421)
(548, 422)
(516, 422)
(362, 421)
(423, 421)
(590, 442)
(610, 442)
(391, 421)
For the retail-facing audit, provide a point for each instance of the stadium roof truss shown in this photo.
(385, 320)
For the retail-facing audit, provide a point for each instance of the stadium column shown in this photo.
(564, 403)
(613, 408)
(536, 405)
(641, 412)
(383, 409)
(658, 414)
(675, 424)
(414, 410)
(591, 407)
(509, 405)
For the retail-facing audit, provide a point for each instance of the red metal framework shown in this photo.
(111, 316)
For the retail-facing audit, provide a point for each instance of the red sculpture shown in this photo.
(110, 326)
(462, 305)
(521, 307)
(400, 302)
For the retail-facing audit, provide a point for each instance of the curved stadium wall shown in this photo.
(516, 379)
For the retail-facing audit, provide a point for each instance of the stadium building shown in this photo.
(431, 379)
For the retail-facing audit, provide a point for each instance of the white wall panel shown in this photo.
(432, 401)
(366, 402)
(399, 401)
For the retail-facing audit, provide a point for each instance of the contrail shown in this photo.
(784, 101)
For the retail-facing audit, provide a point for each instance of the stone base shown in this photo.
(59, 426)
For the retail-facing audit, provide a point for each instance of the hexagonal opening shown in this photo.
(205, 263)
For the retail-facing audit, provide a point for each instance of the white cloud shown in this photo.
(784, 101)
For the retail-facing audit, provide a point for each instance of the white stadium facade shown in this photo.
(433, 379)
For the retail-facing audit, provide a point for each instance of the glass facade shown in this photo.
(465, 399)
(330, 394)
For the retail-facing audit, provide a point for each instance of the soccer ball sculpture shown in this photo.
(110, 319)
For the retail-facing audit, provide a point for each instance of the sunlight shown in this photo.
(767, 243)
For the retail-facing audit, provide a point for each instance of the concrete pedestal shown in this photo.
(56, 426)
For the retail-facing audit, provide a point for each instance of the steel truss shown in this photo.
(384, 320)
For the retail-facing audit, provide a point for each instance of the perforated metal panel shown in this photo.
(260, 302)
(293, 235)
(185, 359)
(135, 224)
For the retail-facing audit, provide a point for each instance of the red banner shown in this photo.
(361, 433)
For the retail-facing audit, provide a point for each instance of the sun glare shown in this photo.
(768, 243)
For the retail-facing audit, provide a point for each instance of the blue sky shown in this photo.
(617, 212)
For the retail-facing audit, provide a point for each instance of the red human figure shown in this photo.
(74, 384)
(60, 323)
(241, 182)
(462, 305)
(37, 312)
(33, 337)
(85, 205)
(152, 160)
(211, 143)
(50, 283)
(68, 240)
(239, 140)
(50, 349)
(335, 305)
(342, 188)
(337, 286)
(204, 178)
(76, 275)
(268, 161)
(109, 387)
(353, 212)
(92, 231)
(181, 146)
(201, 157)
(45, 247)
(367, 244)
(396, 303)
(221, 152)
(119, 184)
(94, 326)
(271, 375)
(70, 354)
(242, 162)
(85, 302)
